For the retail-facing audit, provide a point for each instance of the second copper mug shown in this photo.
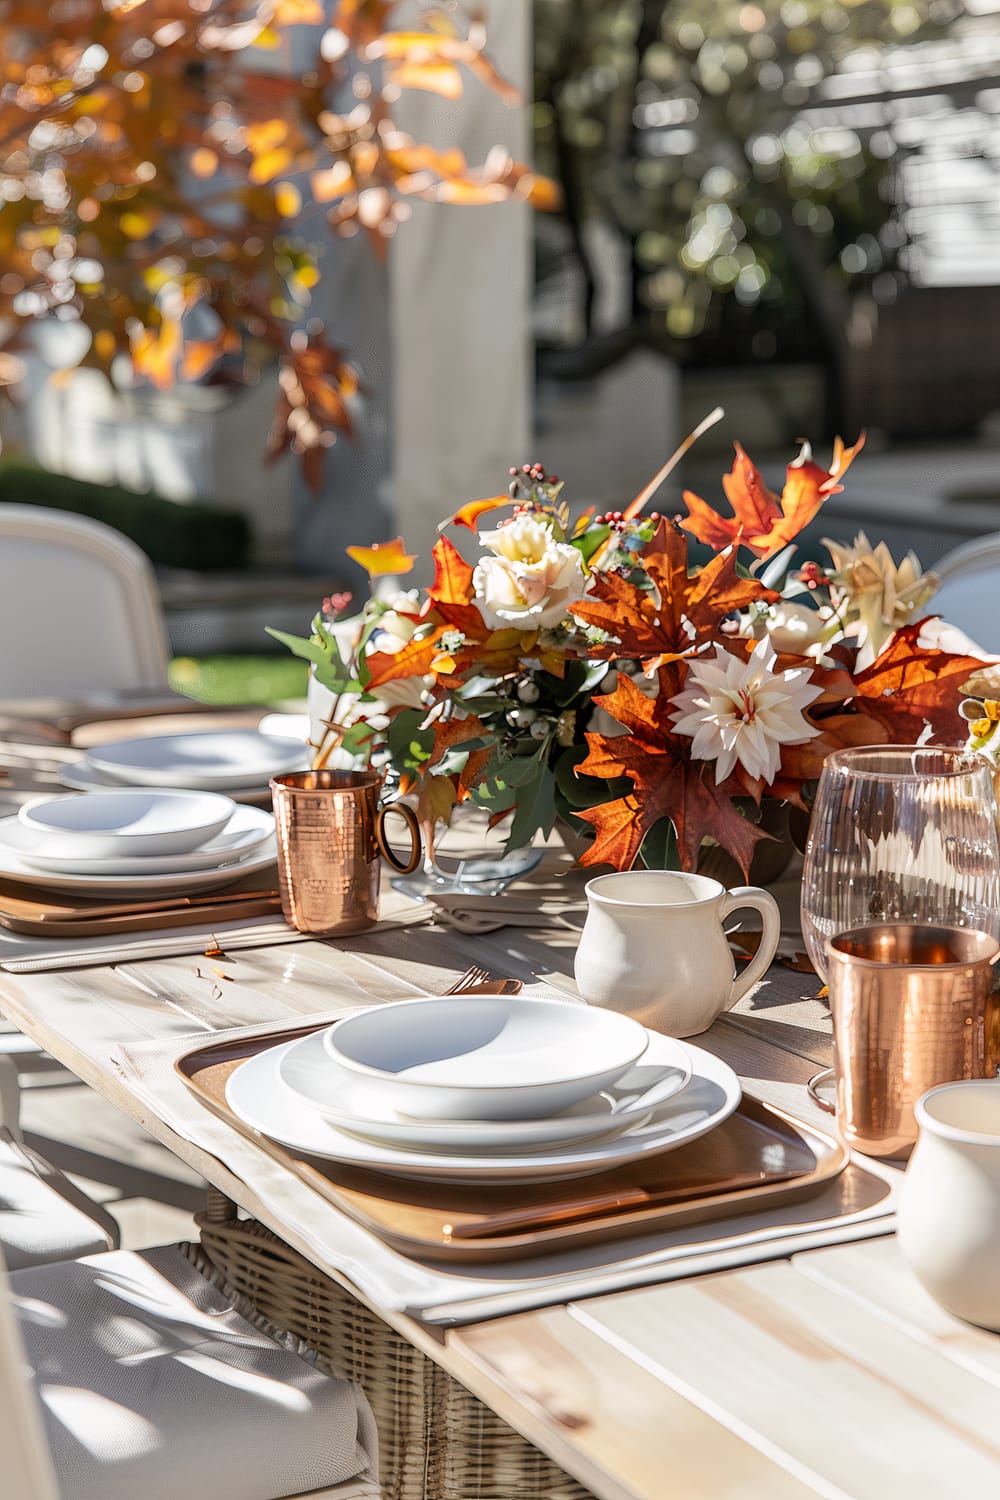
(913, 1006)
(330, 830)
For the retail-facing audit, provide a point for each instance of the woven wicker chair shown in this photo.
(436, 1440)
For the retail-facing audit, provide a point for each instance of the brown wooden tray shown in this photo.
(759, 1158)
(42, 913)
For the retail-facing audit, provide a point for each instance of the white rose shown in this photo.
(531, 580)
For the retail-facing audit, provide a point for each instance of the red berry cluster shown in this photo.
(616, 519)
(812, 575)
(530, 485)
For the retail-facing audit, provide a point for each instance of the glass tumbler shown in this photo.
(900, 834)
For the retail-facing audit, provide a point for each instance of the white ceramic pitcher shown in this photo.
(948, 1222)
(654, 946)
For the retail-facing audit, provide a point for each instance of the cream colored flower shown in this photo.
(798, 629)
(872, 596)
(742, 710)
(530, 580)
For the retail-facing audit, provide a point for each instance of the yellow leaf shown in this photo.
(268, 166)
(137, 226)
(287, 199)
(267, 39)
(383, 559)
(433, 78)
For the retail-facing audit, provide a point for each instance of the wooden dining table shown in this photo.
(829, 1372)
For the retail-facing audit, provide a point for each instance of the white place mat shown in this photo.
(466, 1293)
(21, 954)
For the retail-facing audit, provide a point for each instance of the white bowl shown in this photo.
(126, 823)
(484, 1057)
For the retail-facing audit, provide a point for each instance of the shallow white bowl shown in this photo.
(210, 760)
(484, 1057)
(116, 824)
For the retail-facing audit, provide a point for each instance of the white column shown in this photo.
(460, 284)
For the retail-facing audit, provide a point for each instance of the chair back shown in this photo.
(79, 609)
(969, 596)
(27, 1467)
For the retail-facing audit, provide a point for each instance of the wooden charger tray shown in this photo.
(61, 914)
(759, 1158)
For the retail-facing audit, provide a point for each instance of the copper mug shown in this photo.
(330, 830)
(913, 1006)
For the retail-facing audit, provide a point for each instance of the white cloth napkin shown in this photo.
(457, 1293)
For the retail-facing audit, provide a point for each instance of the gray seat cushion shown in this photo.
(152, 1386)
(42, 1216)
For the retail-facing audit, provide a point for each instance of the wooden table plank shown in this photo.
(874, 1273)
(597, 1412)
(846, 1401)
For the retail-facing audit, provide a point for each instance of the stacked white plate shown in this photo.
(238, 763)
(299, 1094)
(135, 841)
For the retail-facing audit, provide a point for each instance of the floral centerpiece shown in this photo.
(592, 668)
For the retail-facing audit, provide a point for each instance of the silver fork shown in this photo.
(473, 975)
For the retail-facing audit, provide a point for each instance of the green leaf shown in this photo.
(590, 541)
(658, 850)
(535, 811)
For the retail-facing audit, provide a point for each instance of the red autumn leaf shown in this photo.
(452, 575)
(668, 783)
(909, 686)
(684, 613)
(457, 732)
(416, 659)
(763, 521)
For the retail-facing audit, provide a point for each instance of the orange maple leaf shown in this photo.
(909, 686)
(684, 612)
(469, 514)
(762, 521)
(667, 782)
(383, 559)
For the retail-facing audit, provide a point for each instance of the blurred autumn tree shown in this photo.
(712, 137)
(156, 179)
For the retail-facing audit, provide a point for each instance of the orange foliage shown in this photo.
(146, 166)
(762, 521)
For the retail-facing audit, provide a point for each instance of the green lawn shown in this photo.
(239, 679)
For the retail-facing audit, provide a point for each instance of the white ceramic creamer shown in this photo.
(654, 946)
(948, 1221)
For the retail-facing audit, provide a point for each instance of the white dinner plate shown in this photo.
(207, 760)
(256, 1093)
(14, 866)
(246, 831)
(82, 777)
(344, 1101)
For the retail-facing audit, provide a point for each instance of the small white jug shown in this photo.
(948, 1221)
(654, 946)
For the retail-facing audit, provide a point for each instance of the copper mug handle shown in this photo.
(409, 817)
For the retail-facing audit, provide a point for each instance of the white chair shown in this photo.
(145, 1380)
(969, 596)
(43, 1216)
(79, 605)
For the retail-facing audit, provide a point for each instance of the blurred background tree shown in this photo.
(162, 188)
(711, 138)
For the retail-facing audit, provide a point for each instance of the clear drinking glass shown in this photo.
(900, 833)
